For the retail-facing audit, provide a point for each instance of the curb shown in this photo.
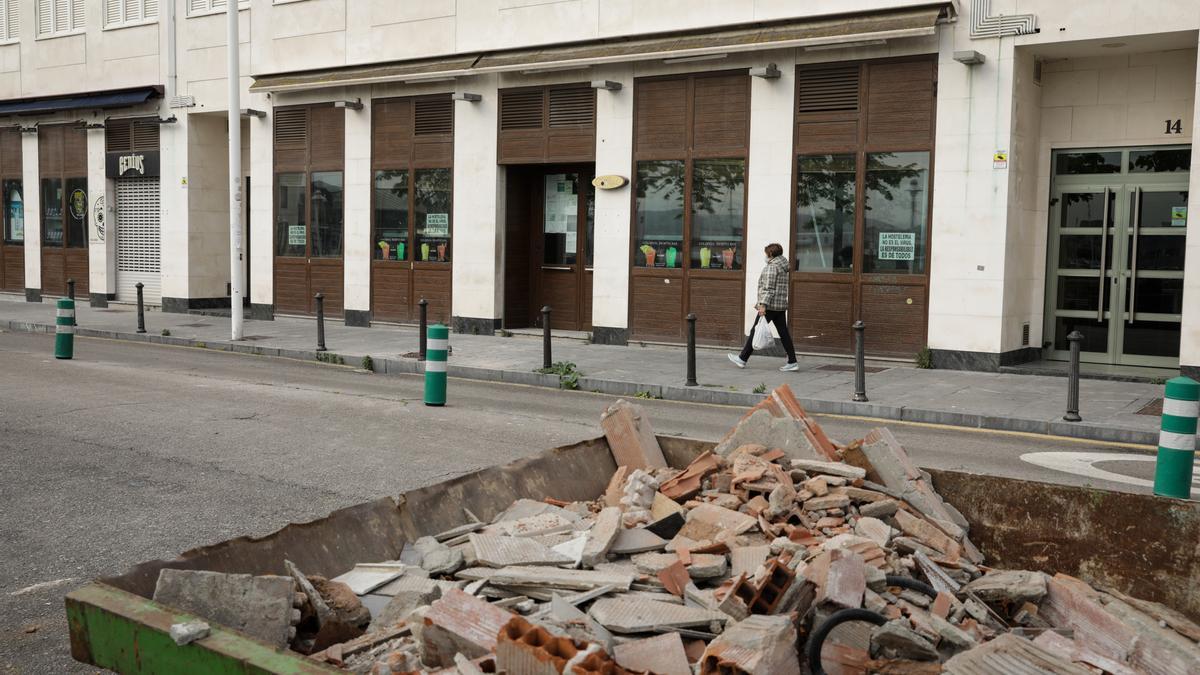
(391, 366)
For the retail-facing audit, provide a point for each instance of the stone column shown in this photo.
(614, 155)
(1189, 341)
(357, 233)
(30, 174)
(262, 209)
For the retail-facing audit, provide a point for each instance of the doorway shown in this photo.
(1118, 222)
(550, 226)
(138, 240)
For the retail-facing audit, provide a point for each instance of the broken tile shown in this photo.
(827, 502)
(896, 640)
(1008, 654)
(554, 578)
(702, 566)
(637, 540)
(494, 551)
(756, 645)
(874, 529)
(662, 654)
(460, 623)
(841, 469)
(631, 615)
(616, 486)
(687, 483)
(531, 526)
(631, 436)
(927, 534)
(366, 577)
(601, 537)
(794, 432)
(747, 559)
(674, 578)
(663, 506)
(727, 520)
(845, 581)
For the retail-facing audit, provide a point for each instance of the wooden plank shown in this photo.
(722, 112)
(661, 116)
(656, 307)
(291, 286)
(900, 103)
(898, 315)
(326, 276)
(822, 313)
(718, 305)
(391, 291)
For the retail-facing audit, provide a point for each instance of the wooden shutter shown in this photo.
(118, 135)
(900, 103)
(721, 119)
(522, 109)
(433, 116)
(291, 138)
(391, 134)
(327, 138)
(145, 135)
(572, 107)
(824, 90)
(661, 116)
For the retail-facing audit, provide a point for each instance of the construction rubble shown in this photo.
(779, 552)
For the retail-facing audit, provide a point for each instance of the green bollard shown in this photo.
(1177, 440)
(435, 365)
(64, 329)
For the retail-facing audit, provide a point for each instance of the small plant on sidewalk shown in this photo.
(166, 332)
(368, 363)
(568, 377)
(924, 358)
(647, 395)
(761, 388)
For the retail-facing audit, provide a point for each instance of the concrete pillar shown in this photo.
(1189, 342)
(769, 173)
(262, 235)
(970, 205)
(478, 227)
(33, 217)
(174, 242)
(102, 242)
(357, 233)
(614, 155)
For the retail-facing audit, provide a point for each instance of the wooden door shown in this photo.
(12, 201)
(64, 202)
(561, 246)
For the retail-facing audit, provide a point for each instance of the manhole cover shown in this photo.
(839, 368)
(1153, 408)
(195, 325)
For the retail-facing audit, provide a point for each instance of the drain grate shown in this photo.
(838, 368)
(1153, 408)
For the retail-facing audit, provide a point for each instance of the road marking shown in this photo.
(999, 432)
(43, 586)
(1083, 464)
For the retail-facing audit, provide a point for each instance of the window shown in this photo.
(118, 12)
(659, 214)
(560, 219)
(896, 198)
(391, 215)
(10, 20)
(201, 7)
(327, 214)
(14, 212)
(431, 203)
(76, 212)
(291, 226)
(52, 212)
(825, 198)
(718, 210)
(57, 17)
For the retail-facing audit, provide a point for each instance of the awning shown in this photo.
(116, 98)
(828, 30)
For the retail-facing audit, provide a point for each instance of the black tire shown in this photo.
(820, 633)
(911, 584)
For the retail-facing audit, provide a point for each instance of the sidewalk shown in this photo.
(1010, 402)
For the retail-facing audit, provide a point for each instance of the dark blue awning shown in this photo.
(120, 98)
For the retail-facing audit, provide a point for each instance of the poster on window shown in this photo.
(897, 246)
(1178, 216)
(660, 253)
(717, 255)
(437, 225)
(296, 235)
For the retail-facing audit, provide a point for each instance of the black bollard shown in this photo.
(860, 366)
(691, 352)
(1075, 337)
(424, 340)
(547, 359)
(141, 309)
(320, 322)
(71, 288)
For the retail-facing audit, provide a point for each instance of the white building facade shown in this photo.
(978, 178)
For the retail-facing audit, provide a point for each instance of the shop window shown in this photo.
(291, 227)
(432, 208)
(560, 219)
(896, 199)
(14, 212)
(659, 213)
(52, 212)
(327, 214)
(1082, 163)
(1160, 161)
(718, 213)
(825, 198)
(76, 212)
(391, 215)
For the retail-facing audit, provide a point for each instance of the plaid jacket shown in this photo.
(773, 284)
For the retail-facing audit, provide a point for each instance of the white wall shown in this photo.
(102, 252)
(262, 207)
(356, 238)
(1189, 347)
(478, 227)
(33, 210)
(614, 155)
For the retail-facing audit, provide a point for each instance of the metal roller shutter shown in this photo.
(138, 252)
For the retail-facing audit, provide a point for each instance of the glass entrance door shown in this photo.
(1116, 254)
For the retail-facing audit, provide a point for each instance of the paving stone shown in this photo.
(261, 607)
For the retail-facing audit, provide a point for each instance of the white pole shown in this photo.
(235, 173)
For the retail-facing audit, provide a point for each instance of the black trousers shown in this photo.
(779, 319)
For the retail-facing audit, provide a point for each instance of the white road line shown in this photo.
(1083, 464)
(43, 586)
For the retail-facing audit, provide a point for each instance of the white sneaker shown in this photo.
(736, 360)
(790, 367)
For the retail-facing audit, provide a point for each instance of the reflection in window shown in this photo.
(1086, 209)
(590, 236)
(658, 237)
(895, 205)
(52, 212)
(825, 194)
(1077, 163)
(1160, 161)
(432, 195)
(291, 230)
(718, 213)
(391, 215)
(14, 212)
(327, 214)
(560, 219)
(76, 215)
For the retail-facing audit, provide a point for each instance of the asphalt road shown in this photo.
(133, 452)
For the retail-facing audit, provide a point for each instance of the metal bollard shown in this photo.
(691, 352)
(435, 365)
(424, 327)
(320, 322)
(71, 288)
(1177, 440)
(860, 365)
(547, 357)
(141, 309)
(64, 329)
(1075, 338)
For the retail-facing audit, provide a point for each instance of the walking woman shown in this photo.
(772, 307)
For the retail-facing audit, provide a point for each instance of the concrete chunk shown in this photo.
(846, 580)
(829, 468)
(827, 502)
(437, 558)
(703, 565)
(493, 551)
(631, 436)
(762, 428)
(632, 615)
(366, 577)
(661, 654)
(895, 640)
(637, 540)
(260, 607)
(460, 623)
(874, 529)
(1008, 654)
(602, 536)
(1009, 586)
(879, 509)
(927, 534)
(756, 645)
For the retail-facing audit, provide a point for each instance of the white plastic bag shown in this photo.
(762, 335)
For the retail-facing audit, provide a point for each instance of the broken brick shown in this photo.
(757, 645)
(460, 623)
(631, 436)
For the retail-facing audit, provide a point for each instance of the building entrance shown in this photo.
(1115, 260)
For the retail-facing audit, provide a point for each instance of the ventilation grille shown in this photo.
(128, 135)
(1025, 335)
(829, 90)
(291, 128)
(574, 107)
(433, 116)
(522, 110)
